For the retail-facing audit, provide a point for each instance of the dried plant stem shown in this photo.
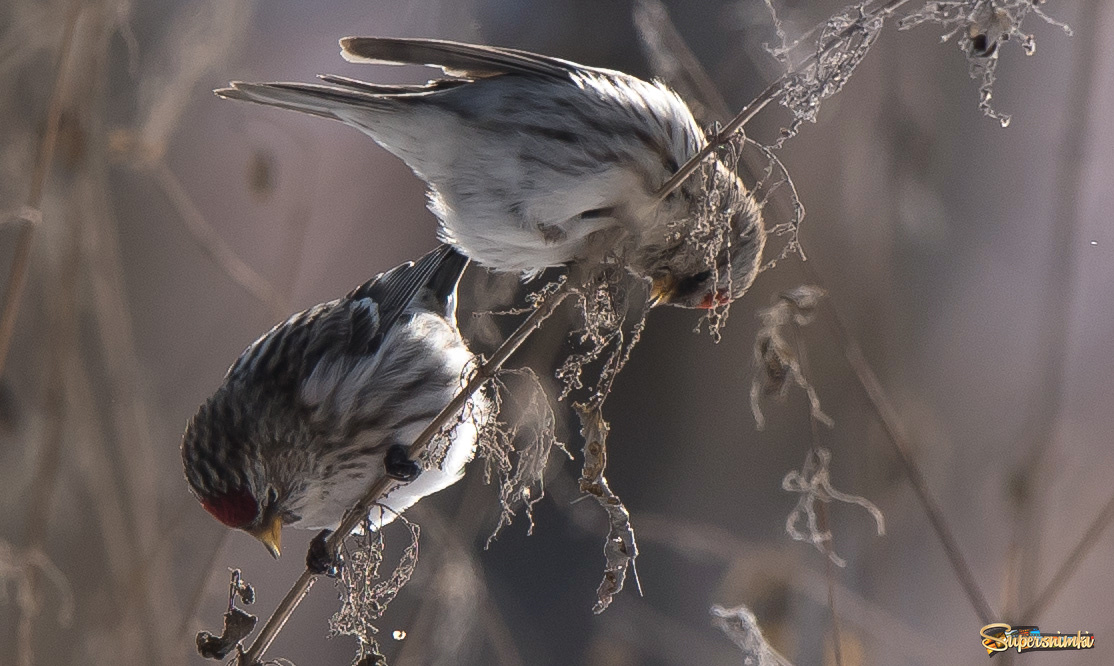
(194, 604)
(1046, 407)
(499, 636)
(704, 544)
(673, 61)
(935, 515)
(63, 341)
(822, 522)
(455, 533)
(32, 213)
(758, 103)
(216, 247)
(129, 410)
(545, 307)
(896, 436)
(829, 575)
(1052, 384)
(1071, 562)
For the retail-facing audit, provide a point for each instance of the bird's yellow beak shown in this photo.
(662, 289)
(270, 535)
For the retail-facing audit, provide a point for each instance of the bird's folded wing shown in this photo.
(394, 290)
(454, 58)
(392, 90)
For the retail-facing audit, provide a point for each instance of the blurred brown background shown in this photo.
(971, 263)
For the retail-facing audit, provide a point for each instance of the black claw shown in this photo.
(399, 465)
(320, 560)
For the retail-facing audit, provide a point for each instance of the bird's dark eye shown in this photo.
(272, 495)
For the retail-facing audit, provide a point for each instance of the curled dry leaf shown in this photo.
(621, 549)
(237, 625)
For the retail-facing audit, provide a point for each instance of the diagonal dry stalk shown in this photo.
(84, 260)
(214, 245)
(896, 436)
(705, 544)
(1049, 394)
(829, 576)
(673, 61)
(727, 133)
(31, 215)
(62, 339)
(455, 532)
(1071, 562)
(823, 525)
(545, 307)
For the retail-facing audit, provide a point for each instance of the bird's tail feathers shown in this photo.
(444, 280)
(430, 280)
(310, 98)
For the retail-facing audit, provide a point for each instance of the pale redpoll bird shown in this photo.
(534, 162)
(328, 401)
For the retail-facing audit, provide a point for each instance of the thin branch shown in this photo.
(829, 573)
(136, 621)
(764, 98)
(31, 216)
(705, 544)
(896, 436)
(454, 533)
(214, 245)
(1046, 410)
(673, 61)
(62, 341)
(194, 604)
(822, 523)
(384, 485)
(128, 410)
(1071, 562)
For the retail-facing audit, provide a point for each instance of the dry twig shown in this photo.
(896, 436)
(1071, 562)
(1045, 411)
(31, 215)
(771, 93)
(214, 245)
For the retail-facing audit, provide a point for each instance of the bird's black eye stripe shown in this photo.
(689, 285)
(597, 213)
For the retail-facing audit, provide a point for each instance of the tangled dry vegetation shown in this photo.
(610, 309)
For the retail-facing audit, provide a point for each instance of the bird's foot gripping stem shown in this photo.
(320, 559)
(399, 465)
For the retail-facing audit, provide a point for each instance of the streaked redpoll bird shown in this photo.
(329, 400)
(534, 162)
